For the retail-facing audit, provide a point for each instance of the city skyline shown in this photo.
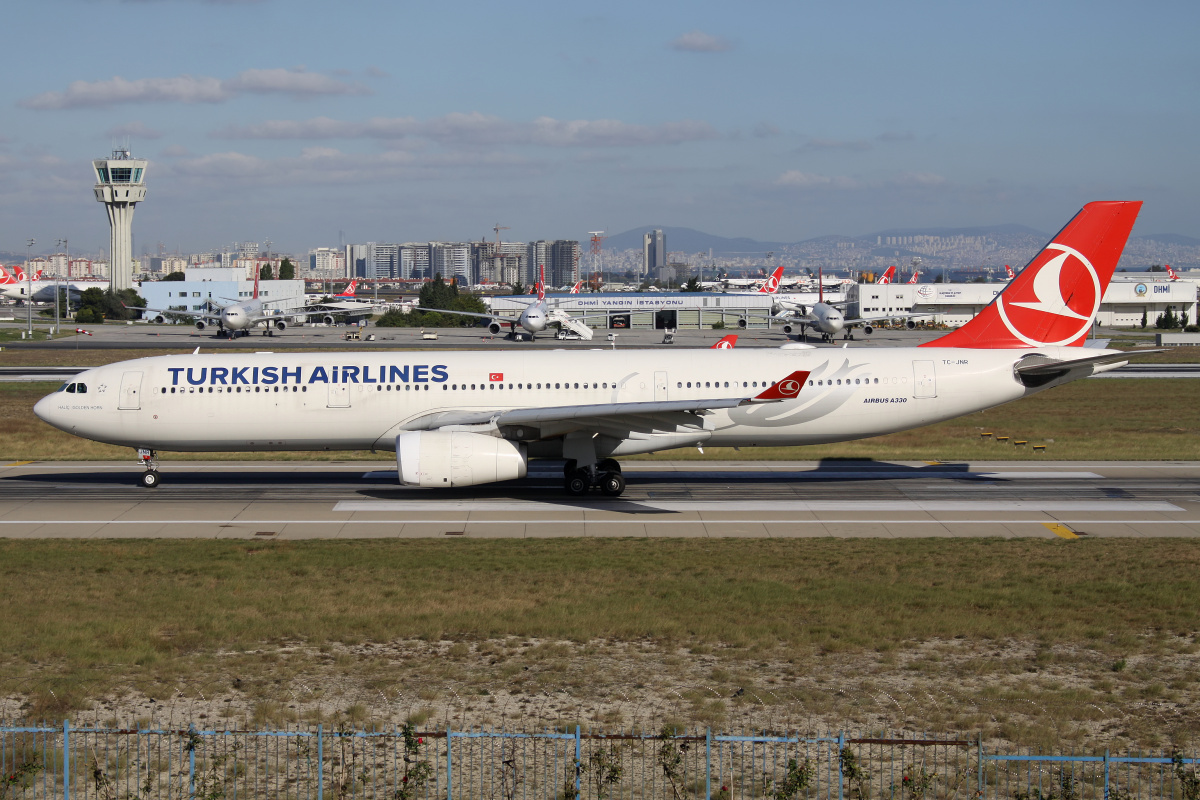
(297, 121)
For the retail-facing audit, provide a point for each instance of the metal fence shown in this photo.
(39, 761)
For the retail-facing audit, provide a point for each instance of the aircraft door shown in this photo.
(660, 386)
(339, 395)
(924, 379)
(131, 391)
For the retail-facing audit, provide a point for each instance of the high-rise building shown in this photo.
(654, 252)
(120, 185)
(414, 261)
(451, 260)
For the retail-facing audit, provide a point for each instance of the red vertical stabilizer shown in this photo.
(1054, 300)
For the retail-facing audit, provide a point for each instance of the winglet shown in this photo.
(786, 389)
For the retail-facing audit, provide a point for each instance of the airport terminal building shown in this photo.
(220, 287)
(1124, 303)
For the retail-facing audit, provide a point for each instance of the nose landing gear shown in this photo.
(149, 459)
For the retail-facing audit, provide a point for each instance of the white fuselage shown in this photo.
(822, 316)
(317, 401)
(43, 290)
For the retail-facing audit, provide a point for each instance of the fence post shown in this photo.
(449, 767)
(191, 761)
(708, 764)
(320, 762)
(979, 766)
(1105, 775)
(579, 762)
(66, 765)
(841, 747)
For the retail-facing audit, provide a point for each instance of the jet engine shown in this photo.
(200, 325)
(327, 319)
(787, 328)
(457, 458)
(160, 319)
(910, 325)
(280, 325)
(867, 329)
(742, 322)
(494, 328)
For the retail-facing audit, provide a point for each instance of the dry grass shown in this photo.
(1030, 641)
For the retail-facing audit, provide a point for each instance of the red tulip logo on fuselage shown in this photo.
(1040, 312)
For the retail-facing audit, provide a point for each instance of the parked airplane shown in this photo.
(466, 418)
(725, 342)
(346, 303)
(237, 318)
(826, 318)
(15, 287)
(914, 277)
(1009, 271)
(533, 319)
(1171, 273)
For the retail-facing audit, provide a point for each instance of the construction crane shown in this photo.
(598, 238)
(498, 259)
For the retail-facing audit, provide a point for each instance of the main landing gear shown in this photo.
(605, 476)
(149, 459)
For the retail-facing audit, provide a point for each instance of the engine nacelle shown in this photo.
(457, 458)
(160, 319)
(327, 319)
(742, 322)
(787, 328)
(280, 325)
(868, 330)
(200, 325)
(910, 325)
(494, 328)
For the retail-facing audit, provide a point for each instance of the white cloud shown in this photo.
(918, 179)
(701, 42)
(175, 151)
(481, 129)
(807, 180)
(851, 145)
(190, 89)
(136, 129)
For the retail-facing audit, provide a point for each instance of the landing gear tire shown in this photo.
(609, 465)
(612, 484)
(578, 483)
(569, 468)
(150, 479)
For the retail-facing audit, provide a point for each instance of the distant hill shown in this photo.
(1171, 238)
(986, 230)
(690, 240)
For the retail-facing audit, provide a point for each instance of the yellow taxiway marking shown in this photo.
(18, 463)
(1060, 530)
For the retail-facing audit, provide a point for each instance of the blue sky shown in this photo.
(394, 121)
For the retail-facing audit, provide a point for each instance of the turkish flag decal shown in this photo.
(496, 376)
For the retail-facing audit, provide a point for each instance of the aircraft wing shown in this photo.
(795, 319)
(495, 317)
(206, 315)
(618, 419)
(884, 318)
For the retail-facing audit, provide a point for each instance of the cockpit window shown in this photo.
(66, 387)
(81, 388)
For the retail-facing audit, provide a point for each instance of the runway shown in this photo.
(303, 500)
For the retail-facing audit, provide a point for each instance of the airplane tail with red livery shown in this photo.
(1009, 271)
(576, 287)
(541, 284)
(726, 342)
(887, 277)
(914, 277)
(771, 286)
(348, 292)
(1054, 300)
(6, 278)
(1171, 272)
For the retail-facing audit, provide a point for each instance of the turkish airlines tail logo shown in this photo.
(913, 279)
(1174, 275)
(887, 276)
(350, 289)
(772, 284)
(1010, 272)
(575, 288)
(5, 278)
(726, 343)
(541, 284)
(1055, 298)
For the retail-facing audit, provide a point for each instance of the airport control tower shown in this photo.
(120, 185)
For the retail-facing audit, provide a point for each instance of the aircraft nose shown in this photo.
(47, 411)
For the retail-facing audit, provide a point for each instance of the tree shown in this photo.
(1143, 318)
(287, 270)
(174, 276)
(692, 285)
(517, 288)
(97, 305)
(265, 274)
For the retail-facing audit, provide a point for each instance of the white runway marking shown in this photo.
(964, 506)
(826, 474)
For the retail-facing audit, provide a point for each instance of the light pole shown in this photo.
(66, 249)
(29, 243)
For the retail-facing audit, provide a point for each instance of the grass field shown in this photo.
(603, 628)
(1126, 419)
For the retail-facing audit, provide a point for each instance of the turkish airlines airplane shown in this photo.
(460, 418)
(915, 276)
(826, 318)
(14, 287)
(1009, 272)
(237, 318)
(533, 319)
(1171, 273)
